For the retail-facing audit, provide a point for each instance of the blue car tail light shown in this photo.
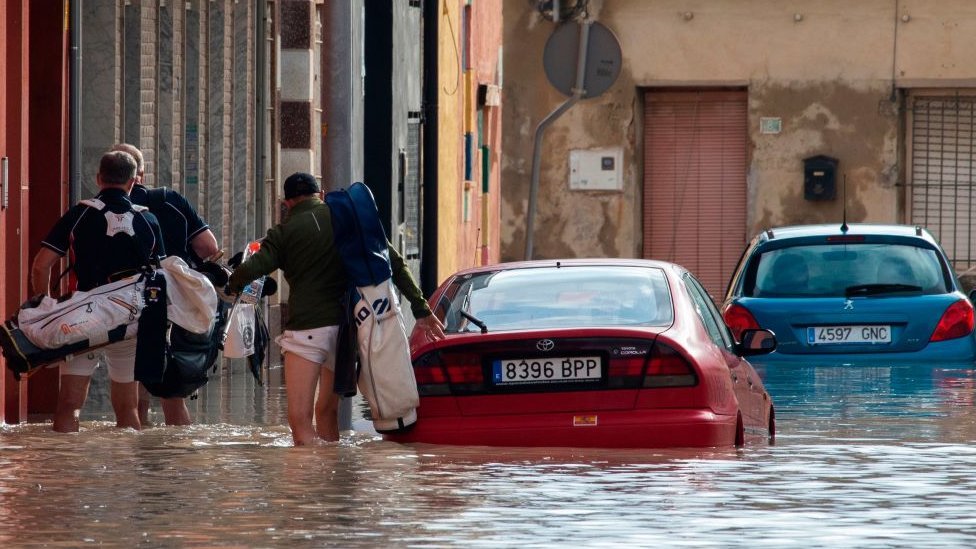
(739, 319)
(957, 321)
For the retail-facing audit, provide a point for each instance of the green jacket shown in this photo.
(302, 246)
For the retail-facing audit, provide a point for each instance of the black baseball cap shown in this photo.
(300, 184)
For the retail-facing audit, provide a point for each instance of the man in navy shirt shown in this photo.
(108, 238)
(186, 235)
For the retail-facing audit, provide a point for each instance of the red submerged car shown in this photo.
(608, 353)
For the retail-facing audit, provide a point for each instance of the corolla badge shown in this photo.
(848, 305)
(544, 344)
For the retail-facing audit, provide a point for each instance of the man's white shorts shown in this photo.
(119, 356)
(317, 345)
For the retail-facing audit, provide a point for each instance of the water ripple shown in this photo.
(879, 457)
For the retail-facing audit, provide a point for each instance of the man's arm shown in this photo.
(202, 241)
(264, 262)
(204, 244)
(41, 270)
(405, 282)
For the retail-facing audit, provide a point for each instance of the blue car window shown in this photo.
(829, 270)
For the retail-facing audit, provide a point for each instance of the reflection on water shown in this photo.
(871, 457)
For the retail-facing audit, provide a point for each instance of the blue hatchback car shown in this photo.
(847, 294)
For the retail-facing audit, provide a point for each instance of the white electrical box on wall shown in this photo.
(596, 169)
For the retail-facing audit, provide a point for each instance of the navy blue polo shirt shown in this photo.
(106, 242)
(177, 218)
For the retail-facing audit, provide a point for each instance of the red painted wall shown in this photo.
(33, 117)
(485, 51)
(13, 146)
(3, 213)
(48, 164)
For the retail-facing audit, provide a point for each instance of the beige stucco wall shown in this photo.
(824, 67)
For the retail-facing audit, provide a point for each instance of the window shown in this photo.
(718, 332)
(827, 270)
(942, 187)
(561, 297)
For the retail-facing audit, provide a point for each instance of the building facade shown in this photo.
(226, 98)
(720, 115)
(469, 137)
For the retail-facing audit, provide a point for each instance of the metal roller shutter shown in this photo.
(695, 153)
(942, 180)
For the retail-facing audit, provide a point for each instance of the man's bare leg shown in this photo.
(144, 404)
(71, 398)
(301, 377)
(125, 402)
(327, 407)
(175, 411)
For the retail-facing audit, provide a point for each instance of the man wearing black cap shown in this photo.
(302, 246)
(185, 235)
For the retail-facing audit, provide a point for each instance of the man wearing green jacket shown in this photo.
(302, 246)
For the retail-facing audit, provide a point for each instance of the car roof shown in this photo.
(891, 229)
(571, 262)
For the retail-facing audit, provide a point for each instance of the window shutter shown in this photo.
(940, 195)
(694, 211)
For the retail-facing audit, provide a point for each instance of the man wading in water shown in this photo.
(302, 247)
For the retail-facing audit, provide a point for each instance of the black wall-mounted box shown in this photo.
(820, 178)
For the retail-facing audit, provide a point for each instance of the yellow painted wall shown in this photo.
(450, 140)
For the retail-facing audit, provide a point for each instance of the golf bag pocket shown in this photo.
(85, 316)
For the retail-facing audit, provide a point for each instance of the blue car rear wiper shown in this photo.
(875, 289)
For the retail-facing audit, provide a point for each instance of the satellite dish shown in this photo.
(602, 59)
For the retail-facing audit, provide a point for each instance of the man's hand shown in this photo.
(431, 326)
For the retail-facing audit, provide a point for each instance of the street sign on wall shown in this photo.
(603, 59)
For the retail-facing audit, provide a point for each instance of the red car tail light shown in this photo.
(626, 372)
(437, 373)
(667, 368)
(956, 321)
(627, 367)
(738, 319)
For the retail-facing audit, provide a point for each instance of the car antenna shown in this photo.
(844, 227)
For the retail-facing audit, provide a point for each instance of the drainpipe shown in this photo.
(258, 161)
(578, 92)
(74, 122)
(428, 255)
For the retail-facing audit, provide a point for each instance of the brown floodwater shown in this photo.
(865, 457)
